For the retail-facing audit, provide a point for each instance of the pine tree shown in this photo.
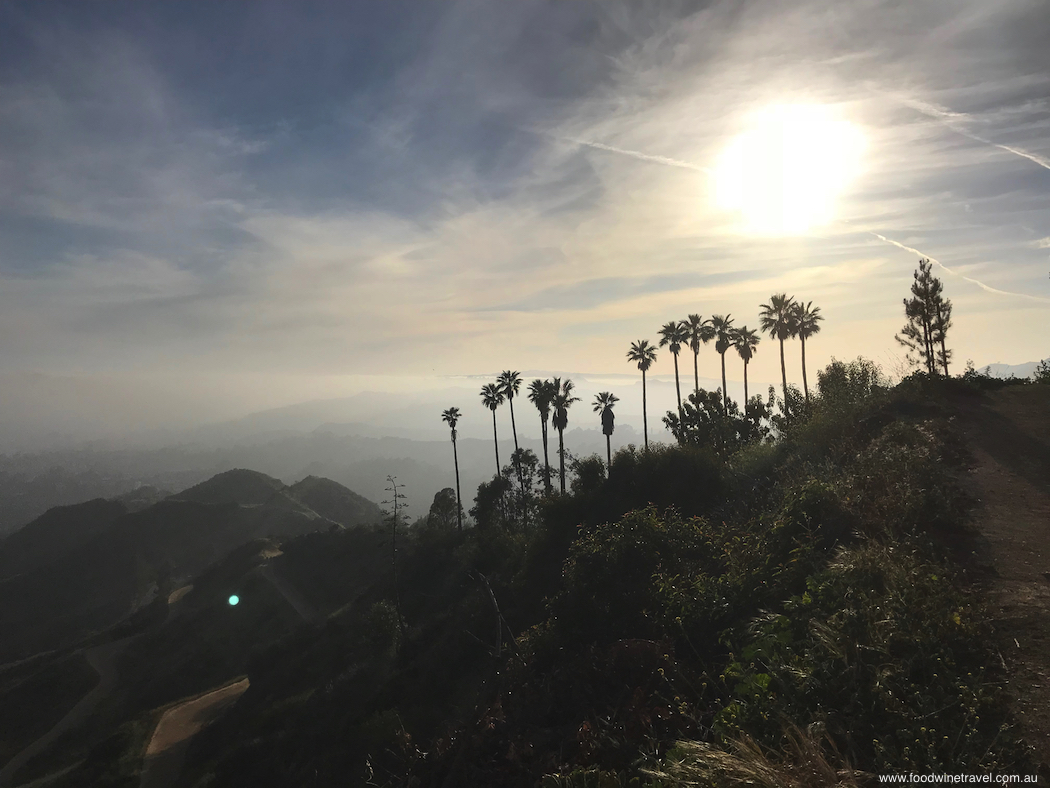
(929, 318)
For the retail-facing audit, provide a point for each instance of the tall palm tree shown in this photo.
(603, 403)
(723, 327)
(562, 402)
(644, 355)
(807, 323)
(492, 398)
(746, 341)
(541, 394)
(700, 331)
(675, 334)
(778, 320)
(509, 382)
(451, 418)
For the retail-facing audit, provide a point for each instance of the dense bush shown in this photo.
(889, 658)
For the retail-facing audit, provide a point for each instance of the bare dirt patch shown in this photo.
(177, 727)
(1008, 433)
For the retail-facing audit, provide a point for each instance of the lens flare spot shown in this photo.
(234, 599)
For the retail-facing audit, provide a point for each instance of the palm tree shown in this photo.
(644, 355)
(675, 334)
(807, 323)
(561, 402)
(603, 403)
(700, 331)
(778, 320)
(724, 331)
(746, 341)
(492, 398)
(451, 418)
(541, 394)
(510, 382)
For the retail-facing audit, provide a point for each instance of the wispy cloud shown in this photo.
(982, 285)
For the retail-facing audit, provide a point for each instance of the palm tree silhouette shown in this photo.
(562, 402)
(723, 327)
(451, 418)
(807, 323)
(778, 320)
(603, 403)
(509, 382)
(492, 398)
(541, 394)
(700, 331)
(746, 341)
(674, 335)
(644, 355)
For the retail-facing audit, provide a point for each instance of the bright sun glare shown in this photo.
(786, 170)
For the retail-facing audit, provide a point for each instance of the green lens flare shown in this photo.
(234, 599)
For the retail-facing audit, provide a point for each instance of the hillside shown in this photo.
(240, 486)
(59, 530)
(336, 502)
(80, 569)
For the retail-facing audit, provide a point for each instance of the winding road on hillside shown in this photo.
(103, 660)
(1008, 434)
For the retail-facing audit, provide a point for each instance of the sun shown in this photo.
(786, 171)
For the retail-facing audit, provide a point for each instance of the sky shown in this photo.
(208, 209)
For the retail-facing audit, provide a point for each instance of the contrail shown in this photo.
(953, 120)
(981, 285)
(635, 154)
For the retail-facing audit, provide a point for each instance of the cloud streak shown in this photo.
(634, 154)
(980, 284)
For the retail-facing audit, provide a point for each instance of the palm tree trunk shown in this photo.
(725, 394)
(608, 451)
(677, 388)
(495, 439)
(745, 387)
(784, 377)
(546, 459)
(805, 385)
(561, 457)
(459, 504)
(645, 417)
(514, 430)
(696, 371)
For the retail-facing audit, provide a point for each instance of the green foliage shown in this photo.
(1042, 372)
(846, 385)
(706, 423)
(885, 654)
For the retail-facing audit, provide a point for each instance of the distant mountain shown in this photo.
(80, 569)
(334, 501)
(1010, 370)
(240, 486)
(57, 531)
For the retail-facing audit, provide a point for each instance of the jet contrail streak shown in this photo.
(636, 154)
(981, 285)
(952, 120)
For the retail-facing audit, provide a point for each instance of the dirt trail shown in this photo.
(102, 659)
(1009, 435)
(176, 729)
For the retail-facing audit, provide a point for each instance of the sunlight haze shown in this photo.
(208, 214)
